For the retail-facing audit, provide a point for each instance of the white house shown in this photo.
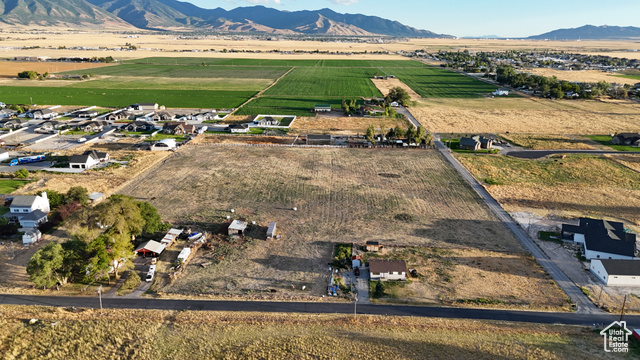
(43, 114)
(501, 92)
(601, 239)
(29, 210)
(87, 160)
(387, 269)
(31, 236)
(239, 128)
(617, 272)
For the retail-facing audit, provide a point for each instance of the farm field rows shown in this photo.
(574, 186)
(180, 71)
(123, 97)
(396, 196)
(154, 334)
(434, 82)
(326, 83)
(276, 62)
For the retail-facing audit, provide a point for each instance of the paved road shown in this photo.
(536, 154)
(583, 304)
(403, 110)
(321, 308)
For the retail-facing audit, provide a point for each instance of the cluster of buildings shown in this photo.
(611, 249)
(30, 211)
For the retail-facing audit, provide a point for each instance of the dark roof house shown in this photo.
(601, 239)
(626, 139)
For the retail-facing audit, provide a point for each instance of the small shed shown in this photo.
(271, 230)
(172, 234)
(31, 236)
(373, 246)
(95, 197)
(237, 227)
(150, 248)
(322, 108)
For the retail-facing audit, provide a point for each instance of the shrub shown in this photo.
(28, 74)
(132, 282)
(21, 174)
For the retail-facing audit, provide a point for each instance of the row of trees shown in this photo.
(89, 258)
(554, 88)
(417, 135)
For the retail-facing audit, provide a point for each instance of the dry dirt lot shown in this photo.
(592, 76)
(155, 334)
(541, 142)
(473, 277)
(385, 85)
(343, 125)
(528, 116)
(10, 69)
(342, 195)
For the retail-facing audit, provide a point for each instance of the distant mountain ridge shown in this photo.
(173, 14)
(590, 32)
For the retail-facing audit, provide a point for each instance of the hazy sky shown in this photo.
(514, 18)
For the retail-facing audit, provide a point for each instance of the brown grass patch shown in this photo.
(462, 276)
(10, 69)
(542, 142)
(386, 85)
(154, 334)
(344, 125)
(335, 204)
(592, 76)
(528, 116)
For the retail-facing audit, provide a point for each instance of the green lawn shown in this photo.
(606, 140)
(286, 106)
(77, 132)
(161, 136)
(8, 186)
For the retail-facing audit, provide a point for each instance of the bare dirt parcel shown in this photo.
(398, 197)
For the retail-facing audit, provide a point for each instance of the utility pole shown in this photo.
(623, 304)
(100, 295)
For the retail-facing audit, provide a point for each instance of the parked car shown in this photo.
(82, 139)
(356, 271)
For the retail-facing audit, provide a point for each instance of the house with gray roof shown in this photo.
(616, 272)
(601, 239)
(29, 210)
(87, 160)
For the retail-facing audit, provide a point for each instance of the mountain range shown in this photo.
(174, 15)
(590, 32)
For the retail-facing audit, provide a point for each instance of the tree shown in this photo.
(410, 133)
(400, 132)
(119, 248)
(46, 267)
(152, 220)
(77, 194)
(399, 95)
(371, 133)
(28, 74)
(21, 174)
(98, 264)
(55, 198)
(420, 134)
(379, 288)
(122, 214)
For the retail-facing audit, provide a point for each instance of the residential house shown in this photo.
(87, 160)
(601, 239)
(49, 126)
(174, 128)
(237, 227)
(150, 248)
(31, 236)
(16, 123)
(93, 126)
(267, 121)
(143, 107)
(7, 113)
(387, 269)
(475, 143)
(617, 272)
(239, 128)
(632, 139)
(115, 116)
(322, 108)
(43, 114)
(139, 126)
(29, 210)
(162, 116)
(87, 113)
(206, 116)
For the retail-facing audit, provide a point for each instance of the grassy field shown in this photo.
(152, 334)
(164, 83)
(180, 71)
(574, 186)
(326, 82)
(286, 106)
(433, 82)
(123, 97)
(542, 142)
(472, 277)
(334, 202)
(7, 186)
(527, 116)
(606, 140)
(277, 62)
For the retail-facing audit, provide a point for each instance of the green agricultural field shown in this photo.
(285, 106)
(124, 97)
(326, 82)
(276, 62)
(181, 71)
(164, 83)
(435, 82)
